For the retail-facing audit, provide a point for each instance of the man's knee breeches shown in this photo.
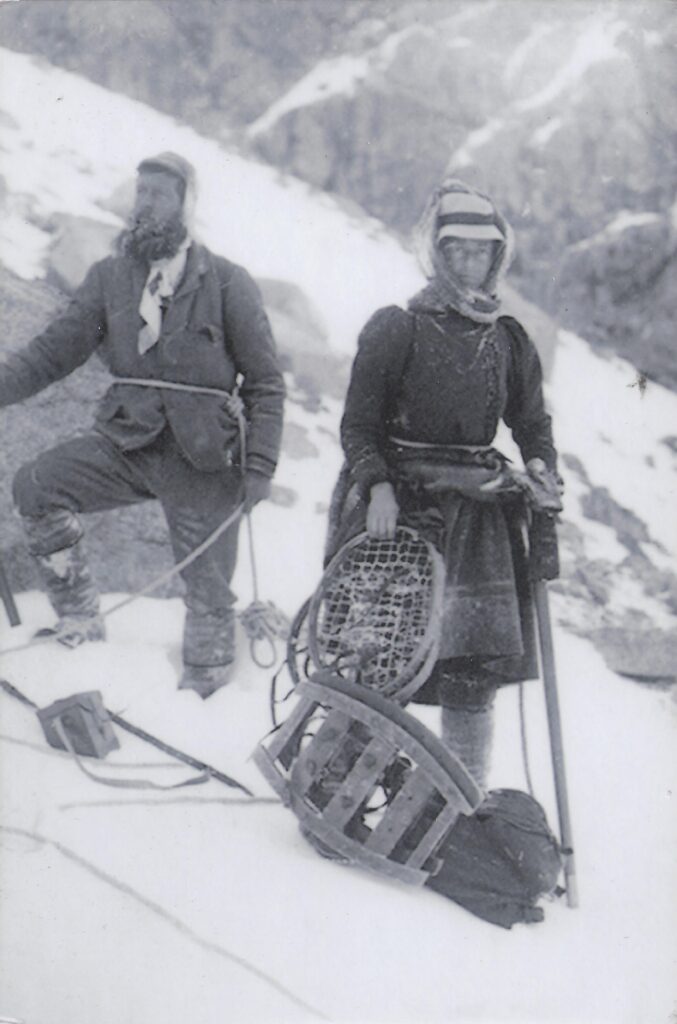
(30, 497)
(48, 528)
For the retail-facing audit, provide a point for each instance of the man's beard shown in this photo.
(147, 239)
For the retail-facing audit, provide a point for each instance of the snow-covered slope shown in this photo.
(145, 907)
(67, 144)
(120, 905)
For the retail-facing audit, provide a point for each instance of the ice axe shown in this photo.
(543, 496)
(555, 733)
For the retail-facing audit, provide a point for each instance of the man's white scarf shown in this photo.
(161, 283)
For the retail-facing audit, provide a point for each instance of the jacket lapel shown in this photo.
(177, 311)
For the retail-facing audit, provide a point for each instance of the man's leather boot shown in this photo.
(65, 573)
(208, 650)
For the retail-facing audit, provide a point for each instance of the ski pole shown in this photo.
(555, 732)
(8, 598)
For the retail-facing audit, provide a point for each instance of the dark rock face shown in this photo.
(618, 289)
(568, 121)
(639, 651)
(214, 65)
(386, 142)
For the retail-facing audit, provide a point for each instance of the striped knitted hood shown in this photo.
(457, 209)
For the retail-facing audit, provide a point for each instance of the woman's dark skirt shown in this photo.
(488, 621)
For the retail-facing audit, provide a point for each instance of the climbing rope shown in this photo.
(262, 621)
(150, 587)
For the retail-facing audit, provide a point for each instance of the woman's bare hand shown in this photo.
(382, 512)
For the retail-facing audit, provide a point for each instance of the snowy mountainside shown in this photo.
(124, 905)
(563, 112)
(67, 145)
(62, 155)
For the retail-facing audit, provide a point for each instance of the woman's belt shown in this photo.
(479, 472)
(401, 452)
(475, 471)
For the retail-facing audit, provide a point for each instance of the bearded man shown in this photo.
(185, 334)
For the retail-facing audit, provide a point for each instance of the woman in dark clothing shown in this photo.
(429, 386)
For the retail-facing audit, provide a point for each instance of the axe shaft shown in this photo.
(556, 744)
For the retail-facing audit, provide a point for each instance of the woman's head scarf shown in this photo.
(456, 210)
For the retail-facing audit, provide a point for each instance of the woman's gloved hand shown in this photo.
(383, 511)
(547, 486)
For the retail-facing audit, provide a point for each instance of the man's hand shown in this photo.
(382, 512)
(256, 489)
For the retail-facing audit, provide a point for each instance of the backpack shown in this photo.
(499, 860)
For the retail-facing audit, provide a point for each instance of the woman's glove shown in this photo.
(382, 512)
(546, 487)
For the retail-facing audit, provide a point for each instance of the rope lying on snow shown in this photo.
(165, 915)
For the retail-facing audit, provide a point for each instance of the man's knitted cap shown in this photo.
(171, 163)
(466, 214)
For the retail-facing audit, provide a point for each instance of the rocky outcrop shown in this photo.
(214, 65)
(385, 137)
(567, 119)
(618, 289)
(628, 607)
(77, 243)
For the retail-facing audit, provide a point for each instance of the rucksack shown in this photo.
(498, 861)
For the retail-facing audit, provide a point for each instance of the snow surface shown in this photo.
(628, 219)
(154, 908)
(542, 135)
(477, 138)
(332, 77)
(122, 905)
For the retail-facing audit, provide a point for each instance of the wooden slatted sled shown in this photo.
(366, 780)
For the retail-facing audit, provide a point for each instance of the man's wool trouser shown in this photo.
(90, 474)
